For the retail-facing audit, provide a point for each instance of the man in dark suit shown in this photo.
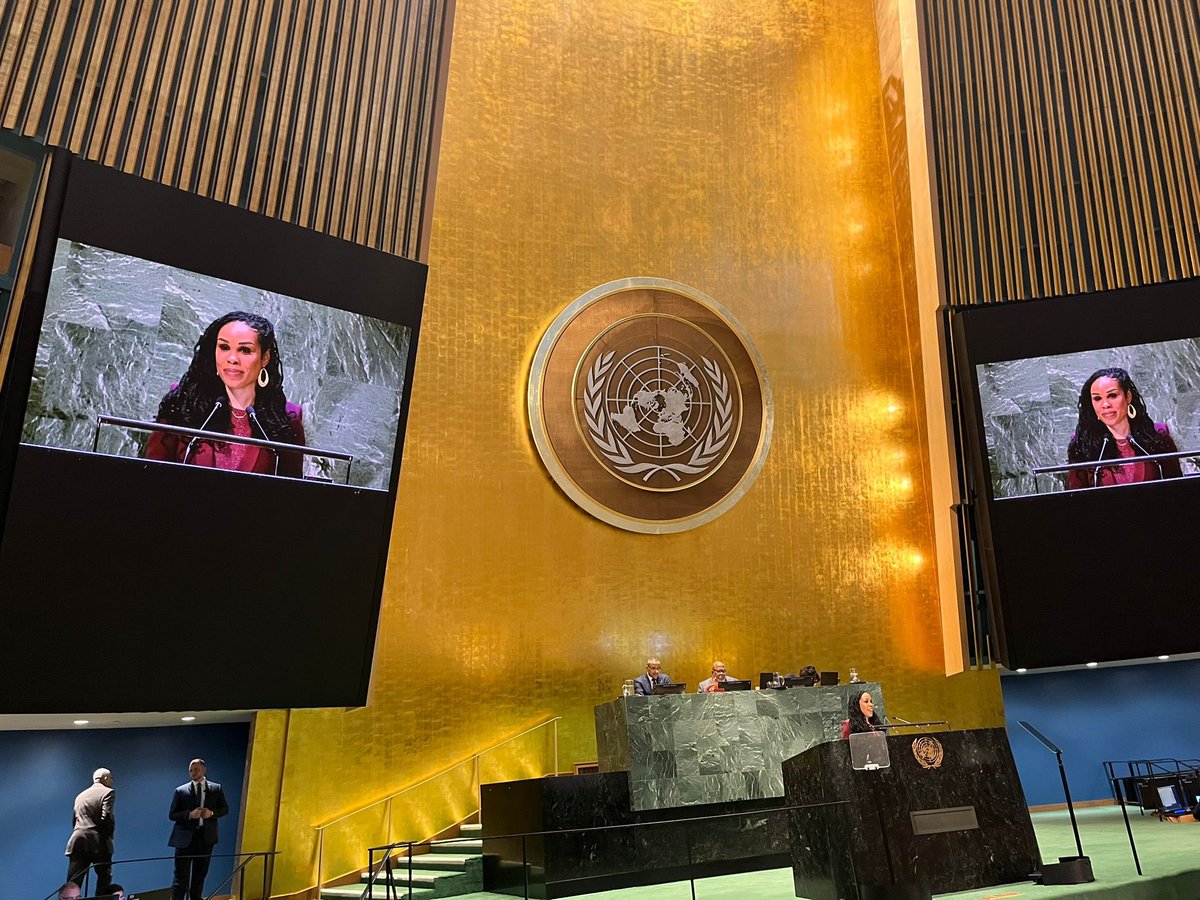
(195, 808)
(93, 827)
(643, 685)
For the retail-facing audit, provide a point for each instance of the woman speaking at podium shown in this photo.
(1114, 424)
(862, 715)
(234, 385)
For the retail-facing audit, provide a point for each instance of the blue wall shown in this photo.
(42, 771)
(1127, 712)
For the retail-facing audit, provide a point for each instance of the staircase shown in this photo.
(450, 869)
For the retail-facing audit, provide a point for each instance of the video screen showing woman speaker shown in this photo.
(1096, 419)
(132, 339)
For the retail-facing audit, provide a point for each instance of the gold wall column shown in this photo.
(741, 150)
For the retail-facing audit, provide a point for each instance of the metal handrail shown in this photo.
(1117, 461)
(390, 798)
(385, 861)
(267, 855)
(447, 770)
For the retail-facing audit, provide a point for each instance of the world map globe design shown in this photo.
(659, 401)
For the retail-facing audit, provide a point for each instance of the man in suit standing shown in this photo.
(195, 808)
(93, 827)
(643, 685)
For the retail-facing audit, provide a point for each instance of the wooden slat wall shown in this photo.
(319, 112)
(1065, 139)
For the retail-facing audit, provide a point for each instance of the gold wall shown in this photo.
(740, 149)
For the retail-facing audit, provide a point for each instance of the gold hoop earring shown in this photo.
(264, 377)
(1132, 409)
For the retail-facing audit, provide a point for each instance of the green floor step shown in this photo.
(451, 862)
(356, 890)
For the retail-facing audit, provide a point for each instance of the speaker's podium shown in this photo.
(922, 812)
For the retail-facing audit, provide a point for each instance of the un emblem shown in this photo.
(648, 405)
(928, 751)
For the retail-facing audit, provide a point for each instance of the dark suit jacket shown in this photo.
(642, 686)
(94, 822)
(182, 804)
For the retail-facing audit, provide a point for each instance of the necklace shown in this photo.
(235, 413)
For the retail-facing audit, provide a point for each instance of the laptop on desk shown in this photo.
(733, 684)
(660, 689)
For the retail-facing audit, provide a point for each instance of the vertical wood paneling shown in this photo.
(319, 112)
(1065, 143)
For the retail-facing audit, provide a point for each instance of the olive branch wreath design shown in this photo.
(617, 453)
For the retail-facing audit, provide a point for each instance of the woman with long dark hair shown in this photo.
(862, 716)
(1115, 424)
(234, 385)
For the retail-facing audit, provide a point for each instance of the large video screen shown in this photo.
(120, 335)
(1046, 416)
(203, 421)
(1083, 418)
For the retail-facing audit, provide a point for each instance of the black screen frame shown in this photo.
(263, 655)
(1053, 598)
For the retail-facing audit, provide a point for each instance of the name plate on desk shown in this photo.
(939, 821)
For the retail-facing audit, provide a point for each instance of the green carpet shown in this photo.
(1170, 856)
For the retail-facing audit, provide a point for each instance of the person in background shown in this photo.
(234, 384)
(1115, 424)
(69, 891)
(713, 685)
(195, 808)
(643, 685)
(115, 892)
(93, 827)
(862, 715)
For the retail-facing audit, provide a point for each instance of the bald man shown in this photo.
(713, 685)
(91, 840)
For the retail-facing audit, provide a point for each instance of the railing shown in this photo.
(238, 874)
(1098, 464)
(382, 863)
(340, 841)
(195, 434)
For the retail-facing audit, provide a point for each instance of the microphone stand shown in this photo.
(1068, 869)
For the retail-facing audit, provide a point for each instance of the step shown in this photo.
(420, 877)
(470, 846)
(470, 830)
(355, 891)
(449, 862)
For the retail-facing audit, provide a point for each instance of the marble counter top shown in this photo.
(689, 749)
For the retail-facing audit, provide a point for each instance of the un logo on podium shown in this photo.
(648, 405)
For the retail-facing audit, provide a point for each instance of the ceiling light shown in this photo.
(81, 721)
(1092, 665)
(187, 719)
(1022, 670)
(1164, 656)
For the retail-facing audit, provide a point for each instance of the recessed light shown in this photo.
(81, 721)
(1092, 665)
(187, 719)
(1022, 670)
(1164, 656)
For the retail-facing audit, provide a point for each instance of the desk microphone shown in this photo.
(216, 406)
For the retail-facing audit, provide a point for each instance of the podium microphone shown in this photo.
(216, 406)
(254, 418)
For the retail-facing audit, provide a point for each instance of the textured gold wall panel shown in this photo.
(1066, 144)
(319, 112)
(739, 149)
